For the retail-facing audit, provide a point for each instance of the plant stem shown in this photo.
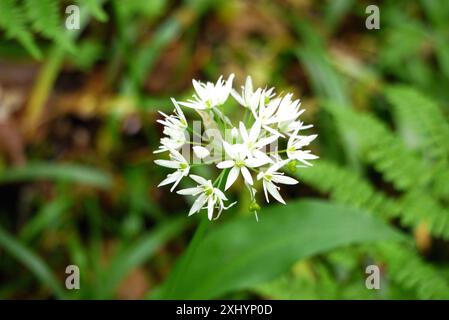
(186, 259)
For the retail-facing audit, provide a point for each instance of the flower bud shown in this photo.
(292, 165)
(254, 206)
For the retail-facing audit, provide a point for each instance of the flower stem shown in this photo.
(186, 259)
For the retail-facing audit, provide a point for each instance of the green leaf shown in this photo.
(44, 17)
(31, 261)
(419, 117)
(48, 215)
(95, 7)
(243, 252)
(61, 172)
(12, 20)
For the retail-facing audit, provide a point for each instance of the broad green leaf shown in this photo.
(61, 172)
(243, 252)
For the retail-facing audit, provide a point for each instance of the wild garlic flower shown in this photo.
(249, 98)
(254, 145)
(270, 177)
(239, 163)
(209, 95)
(209, 197)
(178, 162)
(175, 127)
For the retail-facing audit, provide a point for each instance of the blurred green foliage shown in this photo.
(78, 184)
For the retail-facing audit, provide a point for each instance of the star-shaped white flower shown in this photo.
(208, 197)
(174, 128)
(287, 114)
(209, 95)
(270, 177)
(178, 162)
(249, 98)
(295, 144)
(266, 114)
(239, 163)
(253, 143)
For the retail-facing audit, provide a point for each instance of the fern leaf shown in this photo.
(95, 8)
(441, 185)
(418, 207)
(44, 18)
(407, 269)
(347, 187)
(423, 116)
(381, 148)
(12, 20)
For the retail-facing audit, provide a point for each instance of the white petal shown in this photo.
(199, 88)
(256, 162)
(201, 152)
(265, 190)
(179, 111)
(178, 157)
(267, 140)
(176, 182)
(225, 164)
(272, 189)
(271, 108)
(170, 178)
(193, 105)
(167, 163)
(220, 194)
(210, 208)
(232, 176)
(189, 191)
(262, 156)
(247, 175)
(273, 131)
(255, 131)
(248, 87)
(229, 85)
(275, 167)
(198, 204)
(243, 132)
(198, 179)
(283, 179)
(238, 97)
(229, 149)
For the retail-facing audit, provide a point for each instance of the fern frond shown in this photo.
(418, 207)
(13, 21)
(44, 18)
(441, 184)
(381, 148)
(96, 8)
(424, 117)
(407, 269)
(347, 187)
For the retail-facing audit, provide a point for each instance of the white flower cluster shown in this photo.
(266, 139)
